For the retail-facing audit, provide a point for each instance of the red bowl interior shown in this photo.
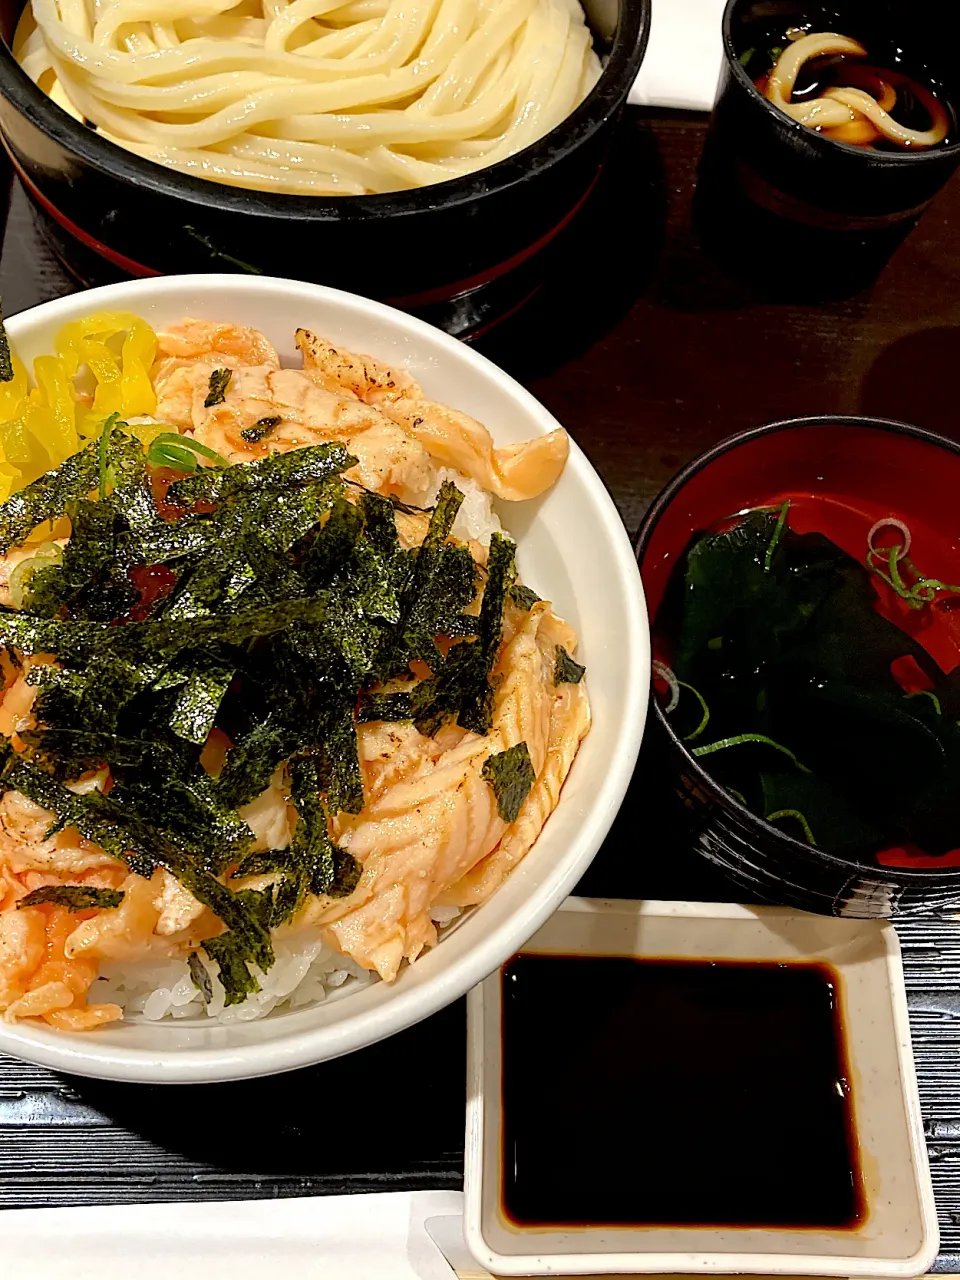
(840, 477)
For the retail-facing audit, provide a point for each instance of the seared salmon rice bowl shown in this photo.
(276, 706)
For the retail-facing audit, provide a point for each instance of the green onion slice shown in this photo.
(710, 747)
(170, 449)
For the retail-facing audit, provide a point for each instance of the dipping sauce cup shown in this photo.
(798, 212)
(606, 1090)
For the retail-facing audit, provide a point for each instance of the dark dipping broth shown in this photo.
(649, 1092)
(808, 686)
(909, 79)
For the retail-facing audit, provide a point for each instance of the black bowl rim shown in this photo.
(627, 53)
(873, 158)
(899, 877)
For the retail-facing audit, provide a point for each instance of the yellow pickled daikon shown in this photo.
(40, 426)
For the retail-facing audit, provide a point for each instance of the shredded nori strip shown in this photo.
(263, 864)
(124, 835)
(56, 492)
(523, 597)
(250, 765)
(161, 638)
(132, 498)
(103, 447)
(381, 526)
(198, 700)
(260, 430)
(229, 953)
(443, 581)
(566, 670)
(340, 766)
(511, 775)
(334, 545)
(276, 471)
(200, 976)
(346, 875)
(461, 687)
(283, 606)
(320, 864)
(501, 566)
(92, 580)
(6, 360)
(48, 497)
(384, 706)
(186, 807)
(75, 897)
(217, 390)
(362, 577)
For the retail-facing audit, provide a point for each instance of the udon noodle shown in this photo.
(314, 96)
(857, 111)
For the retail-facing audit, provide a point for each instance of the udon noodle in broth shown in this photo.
(822, 80)
(317, 97)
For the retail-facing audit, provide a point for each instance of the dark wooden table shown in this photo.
(648, 352)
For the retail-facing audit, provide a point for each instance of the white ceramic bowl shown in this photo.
(572, 548)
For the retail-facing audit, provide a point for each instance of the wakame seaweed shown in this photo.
(789, 693)
(287, 615)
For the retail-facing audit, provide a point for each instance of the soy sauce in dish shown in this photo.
(649, 1092)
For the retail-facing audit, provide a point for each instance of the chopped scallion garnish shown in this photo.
(887, 563)
(928, 693)
(777, 535)
(170, 449)
(103, 453)
(741, 739)
(663, 672)
(797, 816)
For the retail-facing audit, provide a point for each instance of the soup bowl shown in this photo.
(442, 251)
(571, 544)
(858, 470)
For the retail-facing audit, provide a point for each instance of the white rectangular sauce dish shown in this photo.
(897, 1234)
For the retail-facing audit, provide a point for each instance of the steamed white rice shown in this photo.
(305, 973)
(476, 518)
